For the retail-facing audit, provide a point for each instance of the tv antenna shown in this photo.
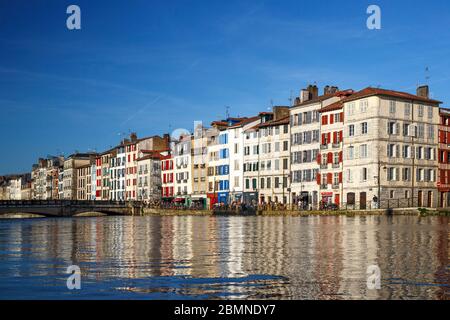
(227, 112)
(427, 75)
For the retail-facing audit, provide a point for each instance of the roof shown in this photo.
(316, 100)
(244, 122)
(273, 123)
(445, 111)
(332, 107)
(369, 91)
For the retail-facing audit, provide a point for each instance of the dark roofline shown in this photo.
(370, 92)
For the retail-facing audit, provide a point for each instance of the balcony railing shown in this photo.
(324, 166)
(323, 187)
(335, 186)
(336, 145)
(336, 165)
(324, 146)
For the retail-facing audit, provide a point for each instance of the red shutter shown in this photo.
(448, 137)
(319, 158)
(318, 178)
(340, 177)
(335, 137)
(340, 136)
(342, 117)
(324, 120)
(441, 137)
(330, 178)
(330, 157)
(329, 137)
(331, 118)
(323, 138)
(337, 199)
(340, 156)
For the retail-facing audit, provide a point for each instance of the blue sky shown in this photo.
(154, 66)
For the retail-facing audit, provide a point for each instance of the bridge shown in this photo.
(67, 208)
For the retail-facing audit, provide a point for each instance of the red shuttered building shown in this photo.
(330, 156)
(443, 183)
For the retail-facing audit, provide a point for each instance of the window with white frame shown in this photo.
(363, 104)
(392, 106)
(351, 153)
(363, 151)
(420, 112)
(407, 110)
(364, 128)
(351, 130)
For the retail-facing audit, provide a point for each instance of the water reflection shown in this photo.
(226, 257)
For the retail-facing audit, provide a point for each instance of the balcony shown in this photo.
(323, 187)
(336, 145)
(336, 165)
(323, 146)
(335, 186)
(324, 166)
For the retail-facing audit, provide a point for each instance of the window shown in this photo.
(420, 110)
(420, 130)
(351, 108)
(285, 145)
(392, 106)
(351, 130)
(277, 146)
(419, 153)
(363, 151)
(364, 174)
(405, 129)
(364, 128)
(406, 152)
(430, 131)
(363, 105)
(391, 194)
(391, 150)
(392, 174)
(392, 127)
(285, 164)
(430, 112)
(407, 110)
(349, 175)
(351, 153)
(406, 174)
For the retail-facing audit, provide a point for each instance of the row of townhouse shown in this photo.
(360, 149)
(366, 149)
(129, 171)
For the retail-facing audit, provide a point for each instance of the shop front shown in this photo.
(223, 197)
(199, 202)
(250, 198)
(211, 200)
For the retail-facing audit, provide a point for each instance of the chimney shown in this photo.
(423, 91)
(330, 90)
(313, 91)
(304, 95)
(280, 112)
(133, 137)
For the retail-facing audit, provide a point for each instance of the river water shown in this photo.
(225, 257)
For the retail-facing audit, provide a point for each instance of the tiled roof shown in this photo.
(244, 122)
(332, 107)
(273, 123)
(369, 91)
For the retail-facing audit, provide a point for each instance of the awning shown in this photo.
(179, 200)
